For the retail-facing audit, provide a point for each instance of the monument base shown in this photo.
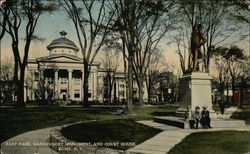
(195, 90)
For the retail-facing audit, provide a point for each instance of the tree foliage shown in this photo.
(25, 13)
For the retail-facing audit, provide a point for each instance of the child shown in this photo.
(197, 116)
(190, 117)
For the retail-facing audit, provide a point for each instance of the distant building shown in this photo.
(243, 94)
(59, 76)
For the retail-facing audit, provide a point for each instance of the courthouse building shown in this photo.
(60, 75)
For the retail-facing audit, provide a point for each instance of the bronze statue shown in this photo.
(197, 41)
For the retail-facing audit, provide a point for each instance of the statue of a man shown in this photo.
(197, 41)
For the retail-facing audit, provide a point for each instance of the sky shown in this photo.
(49, 26)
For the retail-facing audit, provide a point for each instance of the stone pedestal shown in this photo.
(195, 90)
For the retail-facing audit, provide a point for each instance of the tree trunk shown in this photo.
(20, 91)
(85, 86)
(140, 87)
(149, 93)
(233, 90)
(109, 88)
(241, 92)
(130, 84)
(227, 93)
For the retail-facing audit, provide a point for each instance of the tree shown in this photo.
(183, 49)
(138, 25)
(168, 84)
(26, 12)
(4, 12)
(151, 30)
(42, 83)
(110, 63)
(223, 72)
(244, 78)
(232, 64)
(156, 66)
(6, 81)
(92, 20)
(235, 56)
(216, 20)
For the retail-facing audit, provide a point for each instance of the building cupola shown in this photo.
(63, 45)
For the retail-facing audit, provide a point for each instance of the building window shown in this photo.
(64, 81)
(89, 94)
(77, 81)
(121, 85)
(49, 80)
(36, 76)
(77, 93)
(121, 93)
(63, 90)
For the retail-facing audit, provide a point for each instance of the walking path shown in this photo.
(163, 142)
(27, 143)
(227, 113)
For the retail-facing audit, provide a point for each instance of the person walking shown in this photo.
(221, 105)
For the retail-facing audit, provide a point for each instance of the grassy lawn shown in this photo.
(110, 131)
(242, 114)
(16, 121)
(221, 142)
(148, 112)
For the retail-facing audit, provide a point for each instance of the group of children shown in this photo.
(196, 117)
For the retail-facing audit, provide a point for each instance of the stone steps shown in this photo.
(172, 121)
(215, 123)
(157, 125)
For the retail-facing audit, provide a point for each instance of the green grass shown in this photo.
(110, 131)
(16, 121)
(148, 112)
(220, 142)
(242, 113)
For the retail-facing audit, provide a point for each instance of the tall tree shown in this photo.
(138, 23)
(182, 42)
(156, 66)
(216, 20)
(26, 12)
(4, 12)
(110, 62)
(235, 56)
(92, 20)
(232, 63)
(151, 31)
(6, 80)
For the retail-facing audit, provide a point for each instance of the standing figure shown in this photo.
(205, 119)
(222, 105)
(197, 116)
(189, 114)
(197, 41)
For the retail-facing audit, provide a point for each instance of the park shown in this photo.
(124, 76)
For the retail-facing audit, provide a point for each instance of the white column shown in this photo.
(70, 93)
(82, 93)
(56, 86)
(94, 86)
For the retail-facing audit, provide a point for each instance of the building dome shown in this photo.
(62, 42)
